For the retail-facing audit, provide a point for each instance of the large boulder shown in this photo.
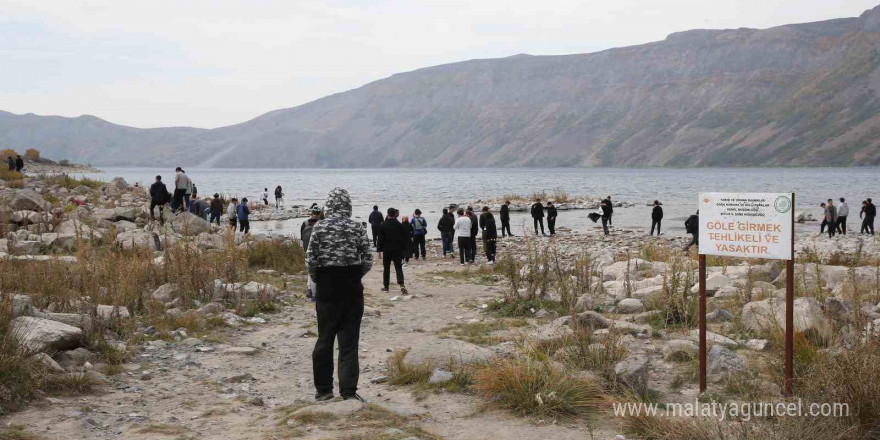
(680, 350)
(438, 353)
(27, 247)
(630, 305)
(138, 238)
(28, 200)
(713, 283)
(189, 224)
(633, 371)
(165, 293)
(22, 305)
(769, 314)
(77, 227)
(44, 335)
(723, 362)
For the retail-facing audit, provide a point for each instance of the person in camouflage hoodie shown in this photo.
(339, 255)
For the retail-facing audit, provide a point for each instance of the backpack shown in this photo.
(690, 225)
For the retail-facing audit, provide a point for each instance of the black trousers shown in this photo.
(605, 222)
(489, 248)
(234, 223)
(161, 206)
(539, 221)
(338, 321)
(868, 225)
(695, 240)
(375, 234)
(832, 228)
(551, 225)
(244, 226)
(841, 224)
(464, 249)
(419, 245)
(395, 257)
(505, 226)
(657, 224)
(177, 200)
(473, 243)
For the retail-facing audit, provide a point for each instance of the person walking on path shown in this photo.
(656, 217)
(551, 218)
(265, 196)
(538, 216)
(475, 229)
(610, 209)
(420, 230)
(490, 234)
(19, 163)
(305, 234)
(279, 198)
(505, 219)
(463, 229)
(244, 225)
(607, 210)
(392, 243)
(831, 217)
(216, 209)
(232, 213)
(408, 251)
(158, 197)
(870, 211)
(181, 183)
(692, 226)
(446, 226)
(338, 257)
(375, 220)
(842, 213)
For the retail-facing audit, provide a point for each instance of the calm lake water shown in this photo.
(432, 189)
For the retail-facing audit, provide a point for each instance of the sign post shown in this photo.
(748, 225)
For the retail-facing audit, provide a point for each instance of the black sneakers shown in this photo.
(354, 396)
(323, 397)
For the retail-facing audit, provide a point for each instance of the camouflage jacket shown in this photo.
(338, 241)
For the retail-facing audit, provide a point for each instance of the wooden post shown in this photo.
(789, 311)
(702, 323)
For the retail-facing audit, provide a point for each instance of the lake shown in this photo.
(432, 189)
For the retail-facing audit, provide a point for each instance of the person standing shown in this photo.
(656, 217)
(446, 225)
(610, 209)
(842, 213)
(338, 257)
(475, 229)
(265, 196)
(19, 163)
(420, 230)
(391, 244)
(305, 234)
(244, 225)
(692, 226)
(870, 214)
(158, 197)
(831, 217)
(824, 219)
(408, 249)
(463, 229)
(11, 163)
(551, 218)
(375, 220)
(490, 234)
(216, 209)
(181, 184)
(279, 198)
(232, 213)
(607, 210)
(538, 216)
(505, 219)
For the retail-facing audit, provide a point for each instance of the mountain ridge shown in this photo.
(793, 95)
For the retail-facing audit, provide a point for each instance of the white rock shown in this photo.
(40, 334)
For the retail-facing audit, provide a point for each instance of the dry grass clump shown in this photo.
(283, 256)
(20, 374)
(17, 432)
(13, 178)
(581, 351)
(401, 372)
(534, 388)
(65, 181)
(479, 333)
(677, 305)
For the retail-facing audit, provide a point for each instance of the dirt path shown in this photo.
(182, 391)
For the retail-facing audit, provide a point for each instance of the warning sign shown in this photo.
(746, 225)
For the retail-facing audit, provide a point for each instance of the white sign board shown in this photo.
(746, 225)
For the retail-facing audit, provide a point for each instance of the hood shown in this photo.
(338, 204)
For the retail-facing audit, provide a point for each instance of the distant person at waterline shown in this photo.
(216, 209)
(265, 196)
(243, 213)
(232, 213)
(463, 230)
(392, 244)
(375, 221)
(551, 217)
(824, 219)
(610, 209)
(475, 229)
(537, 212)
(279, 198)
(692, 226)
(607, 210)
(420, 230)
(869, 211)
(505, 219)
(158, 197)
(490, 234)
(842, 213)
(446, 226)
(656, 217)
(181, 183)
(831, 217)
(408, 251)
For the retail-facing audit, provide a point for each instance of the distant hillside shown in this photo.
(804, 94)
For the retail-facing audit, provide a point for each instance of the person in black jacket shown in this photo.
(391, 243)
(656, 217)
(375, 221)
(11, 163)
(410, 239)
(610, 209)
(490, 234)
(692, 226)
(159, 196)
(551, 218)
(216, 209)
(505, 219)
(869, 212)
(538, 216)
(605, 205)
(19, 163)
(475, 229)
(446, 225)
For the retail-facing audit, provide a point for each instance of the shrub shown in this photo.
(283, 256)
(20, 374)
(401, 372)
(32, 154)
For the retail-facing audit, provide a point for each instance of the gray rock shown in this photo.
(49, 363)
(27, 247)
(213, 308)
(719, 315)
(28, 200)
(108, 313)
(680, 350)
(633, 371)
(757, 344)
(342, 408)
(441, 351)
(75, 358)
(246, 351)
(839, 310)
(79, 320)
(440, 376)
(713, 338)
(630, 305)
(138, 238)
(767, 315)
(188, 224)
(22, 306)
(165, 293)
(722, 362)
(42, 335)
(713, 283)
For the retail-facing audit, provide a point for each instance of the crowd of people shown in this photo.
(835, 216)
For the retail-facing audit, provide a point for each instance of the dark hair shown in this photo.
(485, 209)
(460, 211)
(178, 169)
(830, 200)
(418, 212)
(550, 202)
(445, 211)
(656, 202)
(216, 195)
(470, 209)
(841, 200)
(391, 212)
(507, 202)
(375, 208)
(822, 205)
(869, 200)
(244, 200)
(158, 178)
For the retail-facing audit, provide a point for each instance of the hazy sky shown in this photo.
(213, 63)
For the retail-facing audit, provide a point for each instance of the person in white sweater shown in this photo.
(463, 230)
(842, 212)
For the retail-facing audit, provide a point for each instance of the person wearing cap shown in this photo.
(392, 243)
(216, 209)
